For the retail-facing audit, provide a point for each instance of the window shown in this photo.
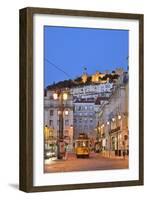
(85, 119)
(75, 120)
(51, 122)
(80, 120)
(85, 107)
(85, 113)
(91, 127)
(85, 127)
(66, 122)
(51, 97)
(80, 108)
(51, 112)
(66, 133)
(75, 108)
(91, 120)
(51, 133)
(91, 107)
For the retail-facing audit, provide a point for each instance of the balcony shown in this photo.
(55, 104)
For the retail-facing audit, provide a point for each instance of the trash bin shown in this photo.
(119, 152)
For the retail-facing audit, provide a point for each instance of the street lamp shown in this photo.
(113, 119)
(62, 96)
(108, 122)
(55, 96)
(97, 129)
(119, 116)
(66, 112)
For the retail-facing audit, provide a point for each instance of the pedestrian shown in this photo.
(124, 151)
(65, 151)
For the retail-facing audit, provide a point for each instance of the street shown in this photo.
(94, 162)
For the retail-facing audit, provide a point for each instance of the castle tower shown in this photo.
(95, 77)
(84, 76)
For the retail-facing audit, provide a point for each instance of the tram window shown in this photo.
(82, 143)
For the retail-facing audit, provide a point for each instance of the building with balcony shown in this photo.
(52, 109)
(113, 120)
(88, 108)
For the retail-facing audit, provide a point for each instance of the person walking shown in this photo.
(65, 151)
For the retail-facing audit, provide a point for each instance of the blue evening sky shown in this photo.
(69, 50)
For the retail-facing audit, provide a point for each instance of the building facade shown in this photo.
(52, 110)
(113, 121)
(98, 109)
(84, 117)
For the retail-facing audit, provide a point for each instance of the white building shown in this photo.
(84, 117)
(91, 89)
(84, 108)
(51, 117)
(113, 121)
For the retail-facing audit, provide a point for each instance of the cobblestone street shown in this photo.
(94, 162)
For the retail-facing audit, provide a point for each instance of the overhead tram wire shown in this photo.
(59, 68)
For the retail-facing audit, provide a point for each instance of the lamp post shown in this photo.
(97, 138)
(61, 96)
(97, 129)
(118, 135)
(109, 134)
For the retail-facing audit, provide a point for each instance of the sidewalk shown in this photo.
(111, 154)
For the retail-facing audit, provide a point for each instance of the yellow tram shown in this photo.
(82, 146)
